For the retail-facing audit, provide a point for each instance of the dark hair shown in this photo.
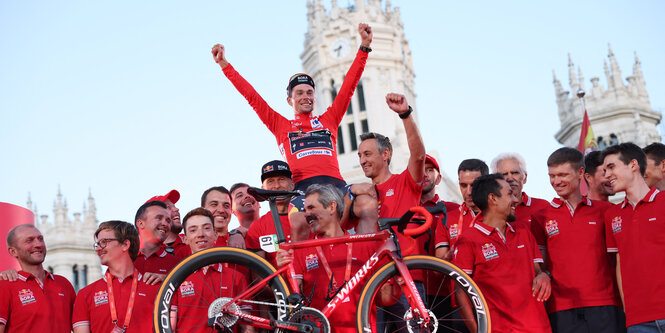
(196, 212)
(123, 231)
(474, 164)
(214, 188)
(140, 213)
(566, 155)
(592, 161)
(655, 151)
(382, 142)
(11, 235)
(482, 187)
(627, 151)
(235, 187)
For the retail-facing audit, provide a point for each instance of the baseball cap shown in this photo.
(275, 168)
(430, 159)
(297, 79)
(173, 195)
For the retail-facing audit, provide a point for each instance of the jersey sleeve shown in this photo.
(298, 264)
(252, 238)
(538, 229)
(339, 106)
(81, 314)
(273, 120)
(442, 237)
(533, 247)
(610, 242)
(463, 256)
(5, 302)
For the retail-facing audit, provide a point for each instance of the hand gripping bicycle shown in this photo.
(268, 299)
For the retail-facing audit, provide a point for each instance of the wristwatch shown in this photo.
(407, 113)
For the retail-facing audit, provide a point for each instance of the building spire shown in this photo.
(608, 77)
(557, 85)
(581, 77)
(29, 203)
(572, 79)
(616, 71)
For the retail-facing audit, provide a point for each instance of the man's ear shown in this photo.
(524, 182)
(289, 100)
(13, 252)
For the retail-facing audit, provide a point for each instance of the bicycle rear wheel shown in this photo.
(440, 280)
(196, 294)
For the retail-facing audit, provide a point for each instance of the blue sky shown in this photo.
(123, 97)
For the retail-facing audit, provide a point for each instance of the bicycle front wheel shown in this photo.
(384, 310)
(200, 285)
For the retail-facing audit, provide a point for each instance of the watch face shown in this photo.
(340, 47)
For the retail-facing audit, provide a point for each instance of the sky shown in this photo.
(123, 98)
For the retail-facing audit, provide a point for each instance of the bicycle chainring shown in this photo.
(312, 317)
(224, 319)
(415, 325)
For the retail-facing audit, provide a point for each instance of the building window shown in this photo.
(340, 141)
(75, 280)
(333, 91)
(365, 126)
(361, 96)
(352, 134)
(84, 276)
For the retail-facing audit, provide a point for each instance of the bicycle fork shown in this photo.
(420, 312)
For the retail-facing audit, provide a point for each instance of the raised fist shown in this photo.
(365, 32)
(218, 55)
(397, 103)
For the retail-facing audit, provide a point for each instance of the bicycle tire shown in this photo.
(431, 267)
(239, 259)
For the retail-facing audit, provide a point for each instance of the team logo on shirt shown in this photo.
(489, 251)
(453, 231)
(552, 228)
(315, 123)
(390, 193)
(616, 224)
(187, 289)
(26, 296)
(101, 297)
(311, 261)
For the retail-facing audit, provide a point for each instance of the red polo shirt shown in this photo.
(438, 223)
(159, 262)
(503, 268)
(638, 234)
(310, 268)
(27, 305)
(576, 256)
(527, 208)
(222, 240)
(262, 231)
(199, 290)
(458, 220)
(181, 249)
(92, 305)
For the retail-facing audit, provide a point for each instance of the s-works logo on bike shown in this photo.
(360, 274)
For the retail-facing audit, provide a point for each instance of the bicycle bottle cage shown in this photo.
(264, 195)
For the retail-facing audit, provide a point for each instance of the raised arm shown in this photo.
(268, 116)
(416, 166)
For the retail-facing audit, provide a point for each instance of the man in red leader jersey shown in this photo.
(153, 222)
(36, 297)
(217, 200)
(308, 143)
(635, 229)
(174, 240)
(120, 301)
(503, 259)
(571, 236)
(191, 301)
(513, 168)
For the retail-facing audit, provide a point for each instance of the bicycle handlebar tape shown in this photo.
(422, 228)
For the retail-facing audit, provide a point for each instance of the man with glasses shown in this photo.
(120, 301)
(29, 303)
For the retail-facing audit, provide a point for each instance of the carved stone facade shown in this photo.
(618, 113)
(330, 45)
(69, 242)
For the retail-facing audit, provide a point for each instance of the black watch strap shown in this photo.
(365, 49)
(407, 113)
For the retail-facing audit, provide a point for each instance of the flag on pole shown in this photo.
(587, 139)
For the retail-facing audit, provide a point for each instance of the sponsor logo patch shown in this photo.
(311, 261)
(316, 124)
(101, 297)
(26, 296)
(268, 168)
(390, 193)
(453, 231)
(616, 224)
(187, 289)
(489, 251)
(552, 228)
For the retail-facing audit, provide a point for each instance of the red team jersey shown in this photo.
(527, 208)
(459, 220)
(309, 267)
(92, 305)
(438, 222)
(503, 268)
(639, 236)
(262, 231)
(159, 262)
(309, 142)
(27, 305)
(575, 243)
(199, 290)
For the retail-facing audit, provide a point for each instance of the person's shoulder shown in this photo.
(91, 288)
(450, 206)
(62, 281)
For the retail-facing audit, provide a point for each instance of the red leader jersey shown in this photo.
(574, 239)
(459, 220)
(28, 305)
(159, 262)
(638, 234)
(92, 305)
(528, 207)
(199, 290)
(309, 142)
(262, 234)
(503, 268)
(310, 266)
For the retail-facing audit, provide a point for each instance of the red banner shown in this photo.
(11, 216)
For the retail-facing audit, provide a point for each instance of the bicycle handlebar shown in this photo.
(263, 195)
(422, 228)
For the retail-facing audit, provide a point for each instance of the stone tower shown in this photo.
(69, 242)
(618, 113)
(331, 43)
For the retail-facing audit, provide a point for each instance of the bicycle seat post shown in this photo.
(272, 202)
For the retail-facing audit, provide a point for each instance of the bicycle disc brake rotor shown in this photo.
(416, 325)
(225, 319)
(312, 317)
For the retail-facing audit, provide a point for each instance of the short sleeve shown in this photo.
(538, 229)
(5, 302)
(463, 256)
(441, 237)
(537, 256)
(298, 264)
(610, 242)
(252, 239)
(81, 315)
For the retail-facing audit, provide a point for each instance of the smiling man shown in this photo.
(174, 241)
(153, 222)
(594, 175)
(654, 174)
(217, 200)
(30, 303)
(635, 230)
(571, 235)
(246, 210)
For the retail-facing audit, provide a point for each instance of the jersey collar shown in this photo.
(432, 201)
(160, 253)
(558, 202)
(651, 195)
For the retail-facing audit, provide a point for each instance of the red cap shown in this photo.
(430, 159)
(173, 195)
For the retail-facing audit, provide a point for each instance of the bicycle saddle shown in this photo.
(263, 195)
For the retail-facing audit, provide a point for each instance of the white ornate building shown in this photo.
(618, 113)
(330, 45)
(69, 241)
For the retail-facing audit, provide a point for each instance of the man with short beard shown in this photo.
(429, 198)
(174, 240)
(153, 222)
(512, 167)
(217, 200)
(654, 174)
(246, 210)
(31, 302)
(599, 186)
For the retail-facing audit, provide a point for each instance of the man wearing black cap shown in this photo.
(308, 143)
